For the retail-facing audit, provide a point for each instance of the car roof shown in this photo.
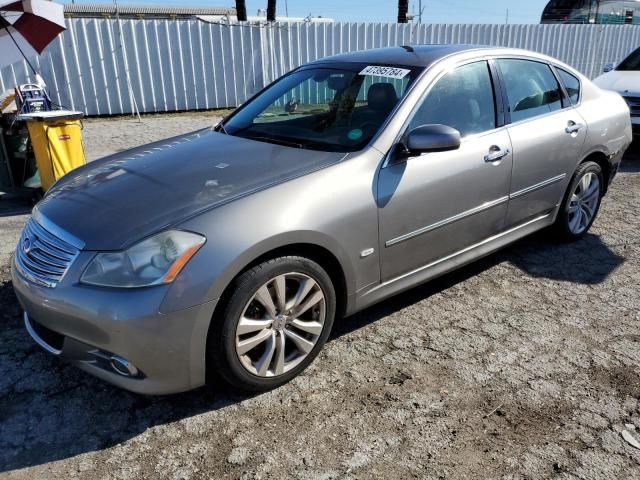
(413, 55)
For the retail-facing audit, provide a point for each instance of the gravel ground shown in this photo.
(523, 365)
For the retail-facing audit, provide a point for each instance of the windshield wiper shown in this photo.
(286, 143)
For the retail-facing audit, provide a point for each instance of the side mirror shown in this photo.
(432, 138)
(608, 67)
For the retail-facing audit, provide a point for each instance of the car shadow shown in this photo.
(12, 207)
(50, 410)
(589, 261)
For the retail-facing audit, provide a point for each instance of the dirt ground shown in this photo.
(524, 365)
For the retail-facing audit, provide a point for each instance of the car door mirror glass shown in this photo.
(432, 138)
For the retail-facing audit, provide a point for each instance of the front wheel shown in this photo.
(274, 324)
(581, 202)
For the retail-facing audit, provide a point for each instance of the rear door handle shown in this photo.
(496, 153)
(574, 127)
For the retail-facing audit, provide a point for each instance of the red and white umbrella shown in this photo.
(27, 27)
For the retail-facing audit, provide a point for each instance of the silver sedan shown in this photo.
(231, 252)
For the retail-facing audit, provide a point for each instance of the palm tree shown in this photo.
(241, 10)
(403, 10)
(271, 11)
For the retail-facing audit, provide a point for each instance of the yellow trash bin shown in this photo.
(57, 143)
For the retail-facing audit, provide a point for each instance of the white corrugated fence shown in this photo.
(108, 66)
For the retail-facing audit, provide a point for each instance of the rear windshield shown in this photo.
(336, 108)
(632, 62)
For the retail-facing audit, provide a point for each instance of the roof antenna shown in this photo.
(408, 48)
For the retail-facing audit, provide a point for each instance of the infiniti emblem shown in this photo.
(27, 245)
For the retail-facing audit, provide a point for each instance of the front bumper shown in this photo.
(103, 330)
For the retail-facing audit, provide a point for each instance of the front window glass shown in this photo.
(532, 88)
(462, 99)
(324, 108)
(571, 84)
(632, 62)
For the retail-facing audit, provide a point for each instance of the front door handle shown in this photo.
(496, 153)
(574, 127)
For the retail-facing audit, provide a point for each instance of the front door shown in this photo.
(436, 204)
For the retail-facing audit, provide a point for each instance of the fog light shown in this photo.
(123, 367)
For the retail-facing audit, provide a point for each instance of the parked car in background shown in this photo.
(232, 251)
(625, 79)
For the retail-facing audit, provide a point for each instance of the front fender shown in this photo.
(213, 269)
(334, 209)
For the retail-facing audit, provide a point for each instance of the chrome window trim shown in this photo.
(579, 102)
(553, 63)
(551, 66)
(537, 186)
(446, 221)
(539, 117)
(450, 62)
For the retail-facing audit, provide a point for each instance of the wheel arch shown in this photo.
(319, 254)
(602, 159)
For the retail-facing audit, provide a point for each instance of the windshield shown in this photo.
(632, 62)
(324, 107)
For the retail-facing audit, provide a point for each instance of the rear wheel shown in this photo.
(273, 325)
(581, 202)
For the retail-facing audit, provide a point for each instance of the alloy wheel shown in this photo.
(280, 325)
(584, 203)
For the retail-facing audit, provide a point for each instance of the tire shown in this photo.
(275, 326)
(580, 208)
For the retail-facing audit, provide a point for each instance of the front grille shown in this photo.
(634, 105)
(42, 257)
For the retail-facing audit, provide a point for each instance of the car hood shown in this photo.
(114, 202)
(622, 82)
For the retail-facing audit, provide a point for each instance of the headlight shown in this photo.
(154, 261)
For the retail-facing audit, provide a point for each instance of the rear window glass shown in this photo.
(532, 88)
(571, 84)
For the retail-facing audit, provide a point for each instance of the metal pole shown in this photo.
(419, 11)
(132, 97)
(507, 17)
(19, 49)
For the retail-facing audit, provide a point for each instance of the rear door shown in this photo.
(439, 203)
(547, 135)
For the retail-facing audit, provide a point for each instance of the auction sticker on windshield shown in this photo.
(388, 72)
